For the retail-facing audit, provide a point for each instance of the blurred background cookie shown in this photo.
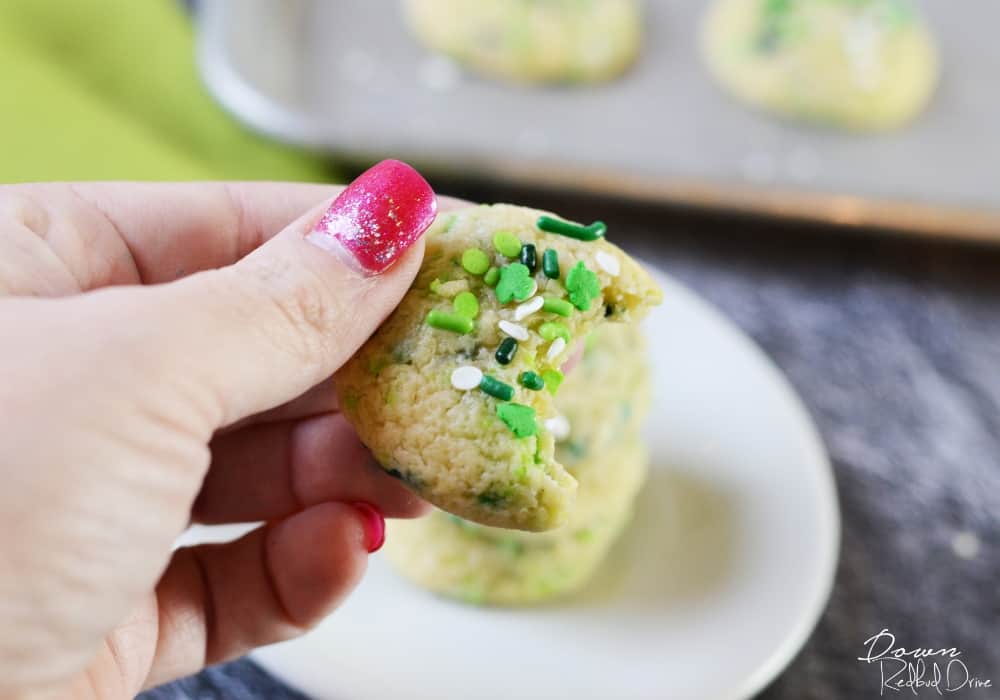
(566, 41)
(858, 64)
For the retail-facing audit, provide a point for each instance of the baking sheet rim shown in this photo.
(262, 114)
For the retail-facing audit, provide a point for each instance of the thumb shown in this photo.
(260, 332)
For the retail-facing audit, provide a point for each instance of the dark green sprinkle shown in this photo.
(491, 498)
(446, 321)
(519, 418)
(505, 353)
(550, 264)
(492, 276)
(530, 380)
(496, 388)
(592, 232)
(557, 306)
(550, 330)
(529, 257)
(414, 482)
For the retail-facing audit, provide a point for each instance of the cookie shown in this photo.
(532, 40)
(485, 565)
(454, 393)
(606, 397)
(858, 64)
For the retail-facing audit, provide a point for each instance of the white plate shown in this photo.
(713, 589)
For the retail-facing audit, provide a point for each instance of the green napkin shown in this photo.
(107, 89)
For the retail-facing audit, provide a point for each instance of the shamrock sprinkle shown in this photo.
(583, 286)
(516, 284)
(519, 418)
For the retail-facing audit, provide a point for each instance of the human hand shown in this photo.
(165, 360)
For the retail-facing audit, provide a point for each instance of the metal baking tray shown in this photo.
(345, 77)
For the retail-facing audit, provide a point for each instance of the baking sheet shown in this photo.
(346, 77)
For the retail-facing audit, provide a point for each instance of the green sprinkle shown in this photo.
(557, 306)
(577, 449)
(377, 364)
(436, 285)
(550, 330)
(475, 261)
(507, 244)
(511, 546)
(495, 388)
(583, 286)
(552, 378)
(515, 283)
(491, 498)
(551, 224)
(529, 257)
(466, 304)
(505, 353)
(530, 380)
(550, 264)
(446, 321)
(492, 276)
(520, 419)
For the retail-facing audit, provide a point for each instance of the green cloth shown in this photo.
(108, 90)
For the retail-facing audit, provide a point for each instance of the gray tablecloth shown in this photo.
(895, 347)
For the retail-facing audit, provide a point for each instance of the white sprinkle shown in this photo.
(555, 350)
(965, 545)
(514, 330)
(466, 377)
(558, 426)
(608, 262)
(527, 308)
(534, 288)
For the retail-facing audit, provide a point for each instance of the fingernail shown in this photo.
(374, 523)
(378, 216)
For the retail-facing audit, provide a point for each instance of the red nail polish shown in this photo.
(374, 525)
(379, 215)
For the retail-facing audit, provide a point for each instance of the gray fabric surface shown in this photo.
(895, 347)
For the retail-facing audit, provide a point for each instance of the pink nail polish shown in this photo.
(374, 525)
(378, 216)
